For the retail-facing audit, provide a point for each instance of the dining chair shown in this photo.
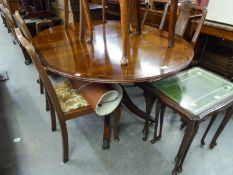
(196, 95)
(24, 29)
(8, 21)
(187, 12)
(21, 24)
(65, 101)
(149, 7)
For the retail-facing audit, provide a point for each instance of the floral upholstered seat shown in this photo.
(69, 98)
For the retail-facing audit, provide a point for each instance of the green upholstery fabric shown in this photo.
(196, 89)
(69, 98)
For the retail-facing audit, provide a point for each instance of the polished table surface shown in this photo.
(150, 58)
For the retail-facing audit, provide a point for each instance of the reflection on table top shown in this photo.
(150, 58)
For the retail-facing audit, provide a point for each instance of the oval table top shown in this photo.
(99, 61)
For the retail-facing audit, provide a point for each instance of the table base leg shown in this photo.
(131, 106)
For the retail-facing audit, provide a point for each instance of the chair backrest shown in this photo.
(5, 4)
(22, 25)
(149, 5)
(187, 12)
(8, 20)
(41, 70)
(8, 17)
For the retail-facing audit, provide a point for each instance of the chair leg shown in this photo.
(106, 135)
(161, 122)
(65, 143)
(41, 86)
(157, 112)
(224, 122)
(150, 100)
(52, 113)
(207, 129)
(47, 101)
(117, 116)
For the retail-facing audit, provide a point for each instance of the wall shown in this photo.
(220, 11)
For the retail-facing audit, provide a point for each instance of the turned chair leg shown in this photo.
(224, 122)
(208, 128)
(106, 135)
(117, 116)
(157, 112)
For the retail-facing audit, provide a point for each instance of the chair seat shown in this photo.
(69, 98)
(195, 90)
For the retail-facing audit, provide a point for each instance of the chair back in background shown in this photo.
(187, 12)
(22, 26)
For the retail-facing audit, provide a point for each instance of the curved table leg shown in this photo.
(131, 106)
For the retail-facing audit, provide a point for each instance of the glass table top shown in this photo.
(196, 89)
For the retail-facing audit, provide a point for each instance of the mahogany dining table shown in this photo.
(149, 59)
